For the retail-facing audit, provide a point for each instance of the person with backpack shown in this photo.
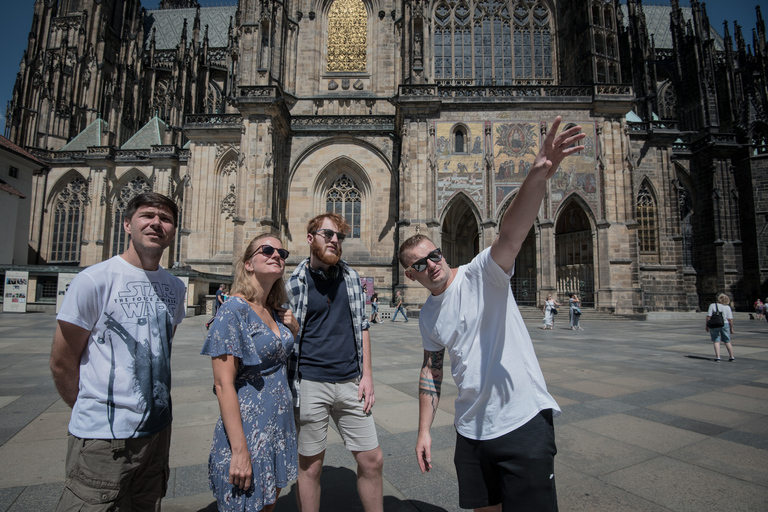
(720, 325)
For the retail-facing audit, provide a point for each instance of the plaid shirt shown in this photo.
(297, 301)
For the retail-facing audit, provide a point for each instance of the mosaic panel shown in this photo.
(462, 171)
(578, 172)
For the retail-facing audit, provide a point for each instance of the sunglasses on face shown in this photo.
(420, 265)
(268, 251)
(328, 234)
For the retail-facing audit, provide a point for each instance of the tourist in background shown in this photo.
(550, 310)
(574, 311)
(724, 331)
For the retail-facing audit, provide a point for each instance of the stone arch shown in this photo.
(575, 249)
(525, 279)
(224, 210)
(459, 230)
(67, 204)
(132, 183)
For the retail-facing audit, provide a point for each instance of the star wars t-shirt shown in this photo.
(125, 370)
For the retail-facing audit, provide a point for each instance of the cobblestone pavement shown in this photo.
(650, 422)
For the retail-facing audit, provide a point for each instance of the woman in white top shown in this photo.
(718, 334)
(549, 317)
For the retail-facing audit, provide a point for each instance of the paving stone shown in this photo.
(643, 426)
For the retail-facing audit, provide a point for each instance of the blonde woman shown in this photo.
(549, 315)
(253, 455)
(718, 334)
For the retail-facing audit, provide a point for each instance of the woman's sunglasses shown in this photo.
(421, 264)
(268, 251)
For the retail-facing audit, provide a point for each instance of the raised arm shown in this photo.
(430, 383)
(69, 343)
(519, 217)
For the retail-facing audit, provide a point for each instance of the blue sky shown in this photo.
(17, 20)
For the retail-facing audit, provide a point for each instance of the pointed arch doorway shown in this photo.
(524, 285)
(574, 255)
(460, 237)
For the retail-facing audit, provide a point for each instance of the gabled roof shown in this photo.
(657, 21)
(13, 148)
(151, 134)
(168, 24)
(91, 136)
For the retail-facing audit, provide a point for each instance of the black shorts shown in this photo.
(516, 469)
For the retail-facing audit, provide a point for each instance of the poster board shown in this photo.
(15, 292)
(65, 279)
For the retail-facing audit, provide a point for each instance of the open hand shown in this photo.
(554, 149)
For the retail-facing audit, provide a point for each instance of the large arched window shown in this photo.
(493, 42)
(130, 190)
(347, 36)
(647, 233)
(605, 43)
(68, 222)
(344, 198)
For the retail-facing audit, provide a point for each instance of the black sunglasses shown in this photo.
(328, 234)
(268, 251)
(420, 265)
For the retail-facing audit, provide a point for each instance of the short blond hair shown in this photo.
(723, 299)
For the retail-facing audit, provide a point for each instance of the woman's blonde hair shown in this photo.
(242, 283)
(723, 299)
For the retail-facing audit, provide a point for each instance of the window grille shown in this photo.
(647, 233)
(344, 198)
(492, 42)
(68, 222)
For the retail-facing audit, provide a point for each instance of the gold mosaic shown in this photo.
(347, 36)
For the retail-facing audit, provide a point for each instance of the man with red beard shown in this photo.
(330, 371)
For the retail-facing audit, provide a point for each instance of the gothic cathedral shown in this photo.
(408, 116)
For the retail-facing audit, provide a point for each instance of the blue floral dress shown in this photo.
(266, 407)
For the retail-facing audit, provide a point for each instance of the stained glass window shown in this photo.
(492, 42)
(68, 222)
(344, 198)
(647, 233)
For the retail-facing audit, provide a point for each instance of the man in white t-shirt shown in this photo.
(505, 444)
(111, 362)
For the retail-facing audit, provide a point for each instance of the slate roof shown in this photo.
(13, 148)
(149, 135)
(91, 136)
(657, 21)
(168, 24)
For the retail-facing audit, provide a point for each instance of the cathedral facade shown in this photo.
(408, 116)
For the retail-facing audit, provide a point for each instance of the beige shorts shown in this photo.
(119, 474)
(323, 400)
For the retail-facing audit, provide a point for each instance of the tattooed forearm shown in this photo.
(431, 378)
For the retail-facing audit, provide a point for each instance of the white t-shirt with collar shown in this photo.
(493, 363)
(125, 370)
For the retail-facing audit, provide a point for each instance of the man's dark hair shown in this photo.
(155, 200)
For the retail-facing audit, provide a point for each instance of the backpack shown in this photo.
(716, 320)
